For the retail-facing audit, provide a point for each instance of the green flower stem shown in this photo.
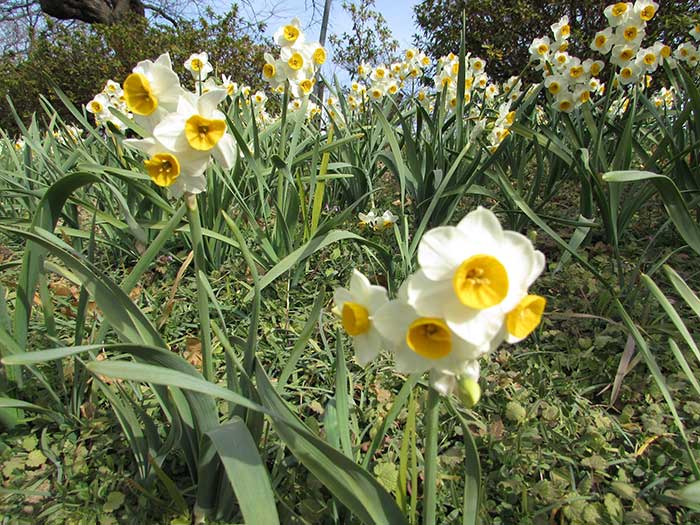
(430, 421)
(202, 299)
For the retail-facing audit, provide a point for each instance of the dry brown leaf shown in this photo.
(193, 351)
(173, 290)
(135, 293)
(496, 430)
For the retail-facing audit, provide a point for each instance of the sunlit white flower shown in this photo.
(645, 9)
(357, 305)
(387, 220)
(198, 64)
(368, 219)
(695, 32)
(290, 34)
(617, 13)
(198, 126)
(180, 173)
(152, 89)
(603, 41)
(473, 274)
(418, 342)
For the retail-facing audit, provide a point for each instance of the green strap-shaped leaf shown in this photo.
(348, 482)
(673, 202)
(245, 471)
(46, 217)
(317, 243)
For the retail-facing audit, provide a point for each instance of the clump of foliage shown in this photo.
(78, 59)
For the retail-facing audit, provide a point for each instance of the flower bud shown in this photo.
(468, 391)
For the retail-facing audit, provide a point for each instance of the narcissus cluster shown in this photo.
(470, 294)
(184, 130)
(297, 62)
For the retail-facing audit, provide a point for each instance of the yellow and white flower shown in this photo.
(645, 9)
(290, 34)
(603, 41)
(357, 306)
(473, 274)
(180, 173)
(617, 13)
(198, 126)
(152, 90)
(695, 32)
(198, 64)
(421, 342)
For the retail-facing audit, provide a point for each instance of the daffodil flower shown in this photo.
(198, 64)
(180, 173)
(152, 90)
(197, 127)
(421, 342)
(290, 34)
(472, 275)
(357, 306)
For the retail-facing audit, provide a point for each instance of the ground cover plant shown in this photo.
(426, 297)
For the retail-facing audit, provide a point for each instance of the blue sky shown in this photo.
(398, 14)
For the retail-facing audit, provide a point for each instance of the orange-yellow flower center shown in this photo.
(163, 168)
(296, 62)
(139, 95)
(202, 133)
(480, 282)
(291, 33)
(429, 337)
(355, 318)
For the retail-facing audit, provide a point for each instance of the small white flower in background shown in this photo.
(387, 220)
(368, 219)
(230, 86)
(356, 307)
(198, 64)
(561, 29)
(98, 106)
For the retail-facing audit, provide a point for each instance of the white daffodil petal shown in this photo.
(409, 362)
(225, 151)
(481, 223)
(164, 60)
(442, 381)
(426, 296)
(392, 320)
(366, 346)
(171, 132)
(342, 296)
(435, 255)
(474, 326)
(209, 101)
(143, 145)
